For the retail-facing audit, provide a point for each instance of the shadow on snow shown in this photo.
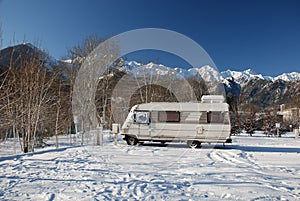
(15, 157)
(245, 148)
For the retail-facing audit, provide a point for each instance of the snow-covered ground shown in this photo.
(251, 168)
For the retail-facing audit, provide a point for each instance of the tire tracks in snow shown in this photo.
(259, 175)
(241, 159)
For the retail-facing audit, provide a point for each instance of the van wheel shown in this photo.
(193, 144)
(131, 140)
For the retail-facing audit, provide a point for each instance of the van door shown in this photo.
(165, 125)
(142, 121)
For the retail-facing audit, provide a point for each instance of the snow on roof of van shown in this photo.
(182, 106)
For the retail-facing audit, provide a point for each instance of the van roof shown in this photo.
(181, 106)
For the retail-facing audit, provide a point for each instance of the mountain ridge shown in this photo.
(209, 72)
(25, 51)
(239, 76)
(247, 88)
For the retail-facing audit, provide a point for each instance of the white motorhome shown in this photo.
(191, 122)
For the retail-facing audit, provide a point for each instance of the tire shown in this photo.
(131, 140)
(193, 144)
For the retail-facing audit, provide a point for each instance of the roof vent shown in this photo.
(212, 99)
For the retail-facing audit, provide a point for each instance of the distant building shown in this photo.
(289, 115)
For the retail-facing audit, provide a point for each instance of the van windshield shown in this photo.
(141, 117)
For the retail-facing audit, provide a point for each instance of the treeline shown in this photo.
(249, 116)
(36, 94)
(34, 99)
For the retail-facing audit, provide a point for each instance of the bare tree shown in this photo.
(27, 82)
(79, 54)
(94, 64)
(248, 119)
(35, 82)
(64, 84)
(5, 103)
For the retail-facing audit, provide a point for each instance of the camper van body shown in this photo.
(192, 122)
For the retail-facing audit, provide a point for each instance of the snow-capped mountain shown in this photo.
(244, 76)
(288, 77)
(151, 69)
(253, 88)
(208, 73)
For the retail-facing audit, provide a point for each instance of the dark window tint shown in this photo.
(218, 117)
(203, 118)
(168, 116)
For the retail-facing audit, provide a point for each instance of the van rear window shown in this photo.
(168, 116)
(218, 117)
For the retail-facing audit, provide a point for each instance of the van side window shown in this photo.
(203, 118)
(218, 117)
(168, 116)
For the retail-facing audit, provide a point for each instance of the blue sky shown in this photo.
(262, 35)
